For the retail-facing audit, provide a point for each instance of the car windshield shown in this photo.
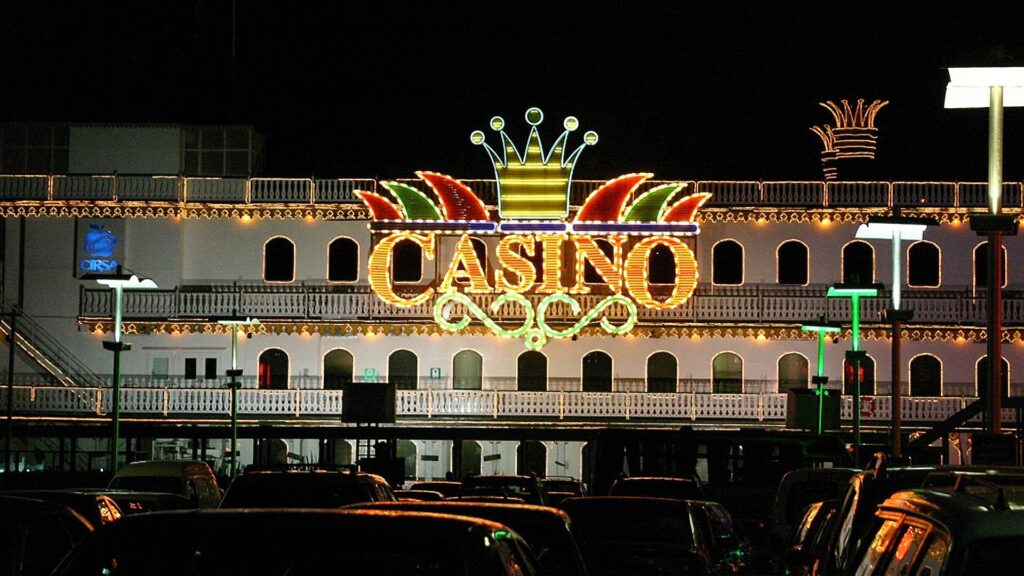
(147, 483)
(605, 525)
(295, 491)
(678, 489)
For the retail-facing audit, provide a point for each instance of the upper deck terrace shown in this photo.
(115, 195)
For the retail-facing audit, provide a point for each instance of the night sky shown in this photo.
(382, 88)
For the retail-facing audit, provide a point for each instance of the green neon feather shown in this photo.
(414, 203)
(649, 205)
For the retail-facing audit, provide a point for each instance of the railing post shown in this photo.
(494, 404)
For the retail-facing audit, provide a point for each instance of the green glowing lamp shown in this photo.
(822, 328)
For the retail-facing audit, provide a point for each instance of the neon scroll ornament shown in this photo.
(541, 249)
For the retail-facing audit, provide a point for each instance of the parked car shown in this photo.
(98, 509)
(36, 534)
(298, 542)
(658, 487)
(190, 478)
(805, 546)
(304, 487)
(449, 488)
(970, 528)
(558, 488)
(798, 489)
(423, 495)
(525, 488)
(636, 536)
(548, 531)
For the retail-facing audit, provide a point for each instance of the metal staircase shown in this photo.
(58, 362)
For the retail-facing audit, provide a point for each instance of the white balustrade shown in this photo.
(530, 404)
(595, 405)
(668, 406)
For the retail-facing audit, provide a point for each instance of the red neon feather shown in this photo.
(380, 207)
(605, 204)
(458, 202)
(686, 209)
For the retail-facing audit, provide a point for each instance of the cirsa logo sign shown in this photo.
(99, 242)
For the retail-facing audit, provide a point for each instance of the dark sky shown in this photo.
(383, 88)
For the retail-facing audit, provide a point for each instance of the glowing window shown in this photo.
(343, 260)
(407, 262)
(858, 263)
(923, 265)
(597, 372)
(925, 376)
(793, 371)
(661, 372)
(727, 263)
(532, 372)
(867, 377)
(272, 371)
(727, 373)
(279, 260)
(792, 263)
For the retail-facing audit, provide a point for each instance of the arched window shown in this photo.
(467, 370)
(407, 262)
(981, 266)
(471, 458)
(406, 450)
(867, 377)
(279, 260)
(532, 372)
(661, 372)
(858, 263)
(925, 376)
(792, 263)
(532, 458)
(342, 452)
(793, 371)
(343, 260)
(924, 268)
(337, 369)
(727, 373)
(981, 377)
(273, 370)
(727, 263)
(597, 372)
(661, 265)
(403, 368)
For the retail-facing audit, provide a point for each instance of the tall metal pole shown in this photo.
(896, 336)
(855, 329)
(118, 293)
(8, 461)
(819, 381)
(994, 406)
(234, 400)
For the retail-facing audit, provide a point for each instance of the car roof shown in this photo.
(970, 514)
(623, 503)
(457, 506)
(163, 467)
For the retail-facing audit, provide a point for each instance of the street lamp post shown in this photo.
(854, 292)
(820, 379)
(896, 228)
(993, 88)
(234, 321)
(119, 282)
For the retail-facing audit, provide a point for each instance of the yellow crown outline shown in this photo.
(529, 185)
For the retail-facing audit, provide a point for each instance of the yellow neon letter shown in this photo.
(380, 267)
(512, 261)
(588, 250)
(636, 272)
(552, 276)
(470, 268)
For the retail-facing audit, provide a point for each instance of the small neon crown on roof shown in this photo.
(534, 184)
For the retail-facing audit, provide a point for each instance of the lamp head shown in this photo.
(969, 87)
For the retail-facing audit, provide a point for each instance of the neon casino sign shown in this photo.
(615, 230)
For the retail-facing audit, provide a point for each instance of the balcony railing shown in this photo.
(498, 405)
(754, 194)
(750, 304)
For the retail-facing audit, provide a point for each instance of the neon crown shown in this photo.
(530, 185)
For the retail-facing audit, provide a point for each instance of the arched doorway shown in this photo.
(531, 458)
(273, 369)
(406, 450)
(981, 377)
(867, 377)
(467, 370)
(597, 372)
(403, 368)
(793, 371)
(337, 369)
(532, 372)
(925, 376)
(661, 372)
(727, 373)
(471, 458)
(858, 263)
